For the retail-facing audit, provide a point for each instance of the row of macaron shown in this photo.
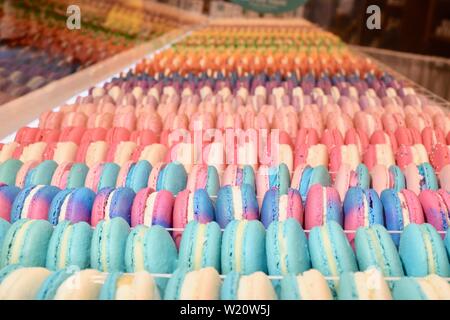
(37, 283)
(244, 247)
(359, 207)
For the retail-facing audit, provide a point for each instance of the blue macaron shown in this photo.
(108, 245)
(137, 177)
(312, 176)
(362, 176)
(399, 181)
(286, 248)
(74, 205)
(422, 251)
(8, 171)
(200, 246)
(77, 175)
(70, 245)
(273, 209)
(173, 177)
(41, 174)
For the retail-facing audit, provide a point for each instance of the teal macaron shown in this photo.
(108, 245)
(172, 177)
(430, 181)
(375, 248)
(422, 251)
(70, 245)
(137, 174)
(244, 247)
(200, 246)
(50, 286)
(431, 287)
(8, 171)
(26, 243)
(5, 271)
(151, 249)
(399, 182)
(447, 242)
(174, 285)
(4, 227)
(41, 174)
(287, 248)
(330, 250)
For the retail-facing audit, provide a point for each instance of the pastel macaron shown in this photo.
(347, 178)
(235, 175)
(7, 196)
(422, 251)
(191, 206)
(366, 285)
(134, 175)
(305, 177)
(170, 176)
(33, 202)
(112, 202)
(74, 205)
(323, 204)
(137, 286)
(279, 207)
(200, 246)
(256, 286)
(9, 170)
(310, 285)
(26, 243)
(102, 175)
(236, 203)
(362, 208)
(108, 245)
(401, 209)
(203, 284)
(152, 207)
(70, 175)
(244, 247)
(272, 177)
(374, 247)
(23, 283)
(436, 207)
(387, 178)
(431, 287)
(421, 177)
(204, 177)
(287, 248)
(41, 174)
(69, 246)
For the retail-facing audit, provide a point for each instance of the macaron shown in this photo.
(421, 177)
(323, 204)
(279, 207)
(200, 246)
(69, 246)
(74, 205)
(150, 207)
(9, 170)
(431, 287)
(415, 154)
(41, 174)
(136, 286)
(401, 209)
(26, 243)
(204, 177)
(51, 284)
(344, 154)
(436, 207)
(256, 286)
(310, 285)
(422, 251)
(108, 245)
(375, 247)
(387, 178)
(24, 172)
(33, 202)
(235, 175)
(272, 177)
(286, 248)
(203, 284)
(244, 247)
(151, 249)
(23, 283)
(366, 285)
(330, 251)
(102, 175)
(347, 178)
(305, 176)
(134, 175)
(362, 208)
(236, 203)
(112, 202)
(89, 283)
(70, 175)
(7, 196)
(171, 176)
(379, 154)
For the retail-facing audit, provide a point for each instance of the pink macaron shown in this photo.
(432, 137)
(379, 154)
(323, 204)
(382, 137)
(436, 207)
(150, 208)
(415, 154)
(332, 138)
(344, 154)
(440, 156)
(407, 136)
(357, 137)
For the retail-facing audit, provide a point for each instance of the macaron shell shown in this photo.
(9, 170)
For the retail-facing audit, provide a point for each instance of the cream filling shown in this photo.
(405, 211)
(329, 252)
(108, 205)
(282, 246)
(33, 151)
(419, 154)
(190, 208)
(149, 207)
(313, 286)
(190, 288)
(63, 210)
(435, 287)
(123, 152)
(366, 211)
(139, 286)
(7, 151)
(370, 285)
(237, 203)
(29, 199)
(317, 155)
(104, 246)
(350, 155)
(283, 207)
(430, 256)
(239, 243)
(138, 250)
(376, 246)
(384, 155)
(18, 242)
(255, 287)
(428, 289)
(64, 248)
(199, 245)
